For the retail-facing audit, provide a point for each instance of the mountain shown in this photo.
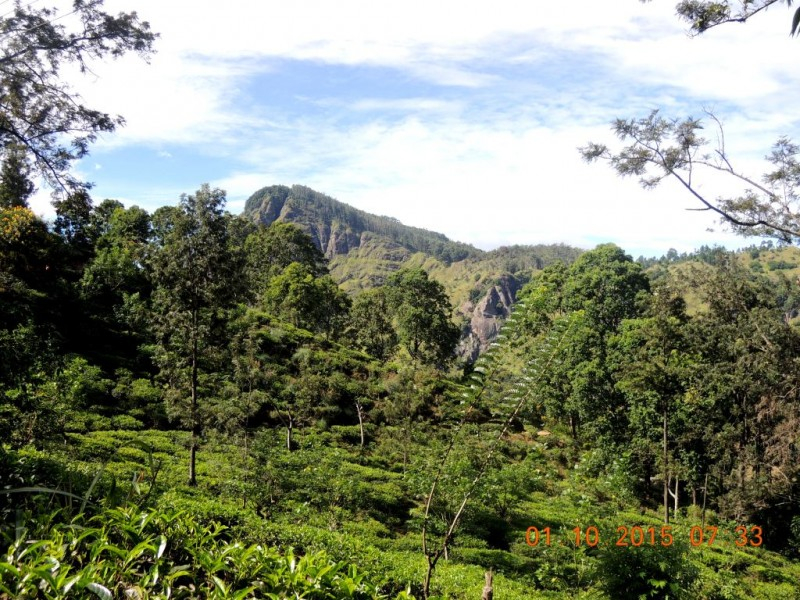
(363, 249)
(338, 228)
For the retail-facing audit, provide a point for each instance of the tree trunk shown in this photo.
(195, 423)
(675, 496)
(666, 469)
(488, 592)
(426, 584)
(703, 514)
(289, 426)
(246, 471)
(360, 422)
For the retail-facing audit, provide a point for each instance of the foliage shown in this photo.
(371, 324)
(195, 279)
(41, 116)
(421, 312)
(659, 148)
(126, 552)
(308, 301)
(705, 14)
(15, 186)
(270, 250)
(647, 572)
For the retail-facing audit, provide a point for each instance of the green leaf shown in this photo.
(100, 591)
(161, 546)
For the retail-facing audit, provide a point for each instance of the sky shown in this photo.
(458, 117)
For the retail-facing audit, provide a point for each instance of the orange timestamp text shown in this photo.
(636, 535)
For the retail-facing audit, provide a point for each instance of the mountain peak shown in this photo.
(338, 228)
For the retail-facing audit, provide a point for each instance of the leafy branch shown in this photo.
(702, 15)
(485, 372)
(657, 148)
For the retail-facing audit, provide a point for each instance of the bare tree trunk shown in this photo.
(703, 515)
(359, 409)
(675, 496)
(246, 470)
(666, 469)
(195, 423)
(426, 584)
(488, 592)
(289, 428)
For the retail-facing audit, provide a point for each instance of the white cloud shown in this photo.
(494, 160)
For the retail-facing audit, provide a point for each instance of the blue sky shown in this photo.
(454, 116)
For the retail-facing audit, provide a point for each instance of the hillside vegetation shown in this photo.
(192, 407)
(363, 249)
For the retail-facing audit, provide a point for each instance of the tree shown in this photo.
(653, 366)
(115, 277)
(15, 187)
(371, 324)
(28, 290)
(657, 148)
(39, 113)
(306, 300)
(747, 386)
(702, 15)
(73, 222)
(599, 290)
(272, 249)
(195, 280)
(421, 312)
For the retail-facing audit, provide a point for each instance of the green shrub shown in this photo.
(647, 571)
(128, 553)
(126, 422)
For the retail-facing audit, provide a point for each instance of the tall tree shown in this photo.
(421, 313)
(307, 301)
(371, 324)
(73, 223)
(196, 278)
(601, 289)
(652, 368)
(748, 380)
(38, 111)
(271, 249)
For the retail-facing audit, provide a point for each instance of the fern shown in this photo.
(543, 353)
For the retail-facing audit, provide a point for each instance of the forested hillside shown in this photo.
(183, 390)
(309, 401)
(363, 250)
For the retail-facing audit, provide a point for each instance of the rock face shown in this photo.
(487, 316)
(332, 236)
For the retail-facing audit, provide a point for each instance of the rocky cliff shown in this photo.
(487, 316)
